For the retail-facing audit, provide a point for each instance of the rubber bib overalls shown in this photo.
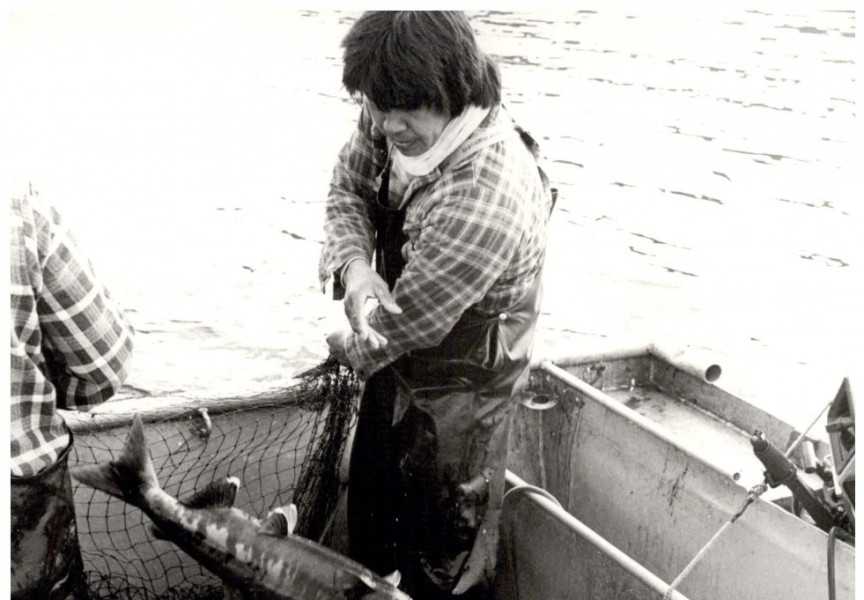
(429, 455)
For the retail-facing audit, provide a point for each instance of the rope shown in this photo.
(752, 495)
(801, 437)
(755, 492)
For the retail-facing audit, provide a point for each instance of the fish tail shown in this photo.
(129, 476)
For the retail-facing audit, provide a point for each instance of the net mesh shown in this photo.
(284, 448)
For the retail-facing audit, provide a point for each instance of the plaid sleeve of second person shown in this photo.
(70, 343)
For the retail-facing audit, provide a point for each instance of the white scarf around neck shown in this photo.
(457, 131)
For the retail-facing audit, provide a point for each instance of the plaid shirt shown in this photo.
(69, 343)
(476, 230)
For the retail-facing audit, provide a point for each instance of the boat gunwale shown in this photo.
(641, 421)
(119, 413)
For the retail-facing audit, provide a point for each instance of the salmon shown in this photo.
(255, 558)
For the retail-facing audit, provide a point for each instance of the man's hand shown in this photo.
(362, 284)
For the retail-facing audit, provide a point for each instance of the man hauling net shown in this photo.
(441, 187)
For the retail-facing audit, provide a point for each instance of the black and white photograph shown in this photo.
(505, 303)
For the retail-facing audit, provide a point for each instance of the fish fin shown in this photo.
(394, 578)
(292, 517)
(276, 524)
(101, 477)
(218, 494)
(130, 475)
(290, 514)
(368, 580)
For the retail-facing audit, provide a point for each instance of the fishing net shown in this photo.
(284, 447)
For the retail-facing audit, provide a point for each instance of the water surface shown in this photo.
(704, 160)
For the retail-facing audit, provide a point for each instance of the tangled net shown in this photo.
(284, 448)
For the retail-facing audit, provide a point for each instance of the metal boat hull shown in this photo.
(642, 491)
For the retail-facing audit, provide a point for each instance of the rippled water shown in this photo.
(705, 161)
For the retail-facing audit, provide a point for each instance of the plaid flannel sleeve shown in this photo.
(86, 338)
(348, 225)
(465, 246)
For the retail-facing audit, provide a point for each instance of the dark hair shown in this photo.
(412, 59)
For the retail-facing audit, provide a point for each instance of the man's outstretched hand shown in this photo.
(363, 284)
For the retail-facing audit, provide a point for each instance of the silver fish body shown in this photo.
(257, 559)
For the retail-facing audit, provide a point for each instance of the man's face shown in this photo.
(413, 132)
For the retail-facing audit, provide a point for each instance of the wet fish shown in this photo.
(259, 559)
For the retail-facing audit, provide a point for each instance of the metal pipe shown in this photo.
(606, 352)
(808, 457)
(625, 561)
(690, 361)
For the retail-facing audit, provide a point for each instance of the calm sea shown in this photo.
(704, 160)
